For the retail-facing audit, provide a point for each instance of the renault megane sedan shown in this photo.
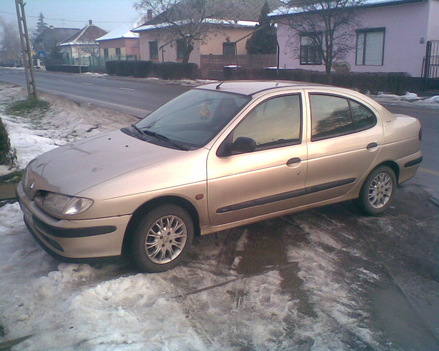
(219, 156)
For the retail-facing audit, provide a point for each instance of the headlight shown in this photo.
(64, 205)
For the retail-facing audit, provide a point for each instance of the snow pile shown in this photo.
(408, 99)
(109, 307)
(66, 121)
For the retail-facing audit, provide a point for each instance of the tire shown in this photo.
(377, 191)
(162, 239)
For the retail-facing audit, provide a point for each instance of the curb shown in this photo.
(8, 191)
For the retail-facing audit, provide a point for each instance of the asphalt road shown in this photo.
(137, 98)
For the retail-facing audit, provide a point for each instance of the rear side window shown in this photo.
(333, 116)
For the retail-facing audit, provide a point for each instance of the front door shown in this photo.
(268, 179)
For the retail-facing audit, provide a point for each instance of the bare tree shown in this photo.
(188, 20)
(322, 30)
(10, 43)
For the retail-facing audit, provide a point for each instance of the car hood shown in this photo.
(77, 166)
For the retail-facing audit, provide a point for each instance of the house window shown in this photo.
(180, 49)
(106, 53)
(229, 49)
(310, 54)
(118, 53)
(370, 47)
(153, 50)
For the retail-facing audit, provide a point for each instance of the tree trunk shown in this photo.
(188, 48)
(328, 71)
(187, 54)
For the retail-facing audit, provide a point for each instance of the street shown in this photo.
(332, 278)
(116, 94)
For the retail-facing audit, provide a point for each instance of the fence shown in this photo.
(96, 63)
(212, 66)
(431, 66)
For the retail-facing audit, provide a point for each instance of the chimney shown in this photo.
(149, 15)
(90, 22)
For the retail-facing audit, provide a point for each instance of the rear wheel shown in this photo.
(378, 190)
(162, 238)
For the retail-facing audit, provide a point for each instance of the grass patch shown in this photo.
(23, 107)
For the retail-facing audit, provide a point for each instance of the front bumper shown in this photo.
(74, 240)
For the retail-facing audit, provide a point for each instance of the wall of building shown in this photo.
(433, 12)
(212, 46)
(407, 28)
(127, 46)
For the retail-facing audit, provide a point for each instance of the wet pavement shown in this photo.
(387, 265)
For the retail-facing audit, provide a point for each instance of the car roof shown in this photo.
(246, 87)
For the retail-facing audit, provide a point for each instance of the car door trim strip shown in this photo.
(284, 196)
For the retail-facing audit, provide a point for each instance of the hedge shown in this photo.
(67, 68)
(393, 82)
(141, 69)
(175, 70)
(5, 146)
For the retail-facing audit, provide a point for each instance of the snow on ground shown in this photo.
(408, 99)
(111, 307)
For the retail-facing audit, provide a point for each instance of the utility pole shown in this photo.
(25, 47)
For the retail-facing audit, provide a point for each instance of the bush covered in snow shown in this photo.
(7, 154)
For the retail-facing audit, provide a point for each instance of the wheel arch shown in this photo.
(148, 206)
(393, 166)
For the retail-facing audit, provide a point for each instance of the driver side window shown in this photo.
(275, 122)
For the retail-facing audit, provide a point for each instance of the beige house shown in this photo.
(228, 40)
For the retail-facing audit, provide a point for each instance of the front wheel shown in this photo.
(378, 191)
(162, 238)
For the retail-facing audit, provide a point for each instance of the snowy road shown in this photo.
(326, 279)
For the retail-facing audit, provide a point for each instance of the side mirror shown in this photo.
(240, 146)
(243, 145)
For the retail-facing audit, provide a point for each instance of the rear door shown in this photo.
(345, 139)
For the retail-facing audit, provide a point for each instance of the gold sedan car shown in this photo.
(219, 156)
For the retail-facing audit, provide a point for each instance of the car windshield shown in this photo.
(192, 119)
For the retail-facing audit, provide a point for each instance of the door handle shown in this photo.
(294, 160)
(371, 146)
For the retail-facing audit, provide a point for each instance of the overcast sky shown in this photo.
(106, 14)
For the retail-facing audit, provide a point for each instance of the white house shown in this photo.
(392, 37)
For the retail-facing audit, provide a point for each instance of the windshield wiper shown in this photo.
(164, 138)
(137, 129)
